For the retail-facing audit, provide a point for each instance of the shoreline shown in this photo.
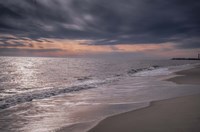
(140, 120)
(190, 76)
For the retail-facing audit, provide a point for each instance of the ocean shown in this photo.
(53, 94)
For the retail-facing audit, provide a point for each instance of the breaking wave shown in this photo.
(86, 83)
(41, 94)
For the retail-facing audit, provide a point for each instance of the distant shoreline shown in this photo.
(185, 58)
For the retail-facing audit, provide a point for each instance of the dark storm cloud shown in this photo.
(16, 44)
(105, 22)
(191, 43)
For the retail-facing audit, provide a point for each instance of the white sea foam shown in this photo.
(155, 72)
(87, 84)
(46, 93)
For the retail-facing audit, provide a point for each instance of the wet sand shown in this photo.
(191, 76)
(181, 114)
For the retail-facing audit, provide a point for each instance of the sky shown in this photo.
(61, 28)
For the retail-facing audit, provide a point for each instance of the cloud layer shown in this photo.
(103, 22)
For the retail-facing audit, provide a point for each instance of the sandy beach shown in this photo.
(191, 76)
(180, 114)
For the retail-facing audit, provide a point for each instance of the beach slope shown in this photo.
(191, 76)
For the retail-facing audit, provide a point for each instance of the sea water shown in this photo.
(73, 94)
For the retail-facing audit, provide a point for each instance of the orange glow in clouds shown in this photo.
(60, 47)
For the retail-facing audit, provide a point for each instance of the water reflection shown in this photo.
(18, 75)
(26, 74)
